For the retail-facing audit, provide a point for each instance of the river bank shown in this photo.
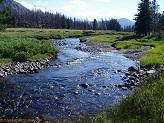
(24, 67)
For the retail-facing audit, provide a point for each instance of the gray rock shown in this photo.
(150, 72)
(132, 68)
(1, 74)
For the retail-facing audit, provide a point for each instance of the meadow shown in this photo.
(19, 44)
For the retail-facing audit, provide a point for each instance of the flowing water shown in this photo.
(56, 90)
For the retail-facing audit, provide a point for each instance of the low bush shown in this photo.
(20, 56)
(2, 27)
(21, 49)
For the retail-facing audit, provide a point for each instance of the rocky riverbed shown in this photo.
(135, 73)
(23, 68)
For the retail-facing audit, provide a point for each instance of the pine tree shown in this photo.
(114, 25)
(143, 18)
(161, 23)
(155, 15)
(5, 19)
(95, 24)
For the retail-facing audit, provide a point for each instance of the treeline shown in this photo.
(23, 17)
(40, 19)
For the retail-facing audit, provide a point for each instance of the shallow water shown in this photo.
(56, 90)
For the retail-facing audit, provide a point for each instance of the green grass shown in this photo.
(22, 49)
(40, 33)
(106, 38)
(121, 40)
(21, 44)
(154, 57)
(144, 105)
(5, 60)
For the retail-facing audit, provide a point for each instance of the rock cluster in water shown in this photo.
(133, 76)
(22, 68)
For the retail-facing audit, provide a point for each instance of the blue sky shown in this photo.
(90, 9)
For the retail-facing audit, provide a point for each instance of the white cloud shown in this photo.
(107, 1)
(29, 6)
(38, 5)
(78, 3)
(73, 6)
(105, 13)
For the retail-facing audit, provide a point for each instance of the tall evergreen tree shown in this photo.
(1, 19)
(114, 25)
(161, 23)
(6, 20)
(95, 24)
(143, 18)
(155, 15)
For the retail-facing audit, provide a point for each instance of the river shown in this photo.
(57, 91)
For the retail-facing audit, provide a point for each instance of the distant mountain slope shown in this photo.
(13, 6)
(125, 22)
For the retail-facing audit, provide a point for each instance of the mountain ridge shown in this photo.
(13, 6)
(125, 22)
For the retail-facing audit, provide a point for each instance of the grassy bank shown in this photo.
(145, 105)
(20, 44)
(22, 49)
(131, 41)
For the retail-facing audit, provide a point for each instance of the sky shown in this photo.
(90, 9)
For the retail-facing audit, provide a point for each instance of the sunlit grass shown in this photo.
(145, 105)
(40, 33)
(106, 38)
(22, 49)
(5, 60)
(134, 44)
(27, 43)
(154, 57)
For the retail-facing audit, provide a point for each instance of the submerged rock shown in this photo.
(97, 94)
(84, 85)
